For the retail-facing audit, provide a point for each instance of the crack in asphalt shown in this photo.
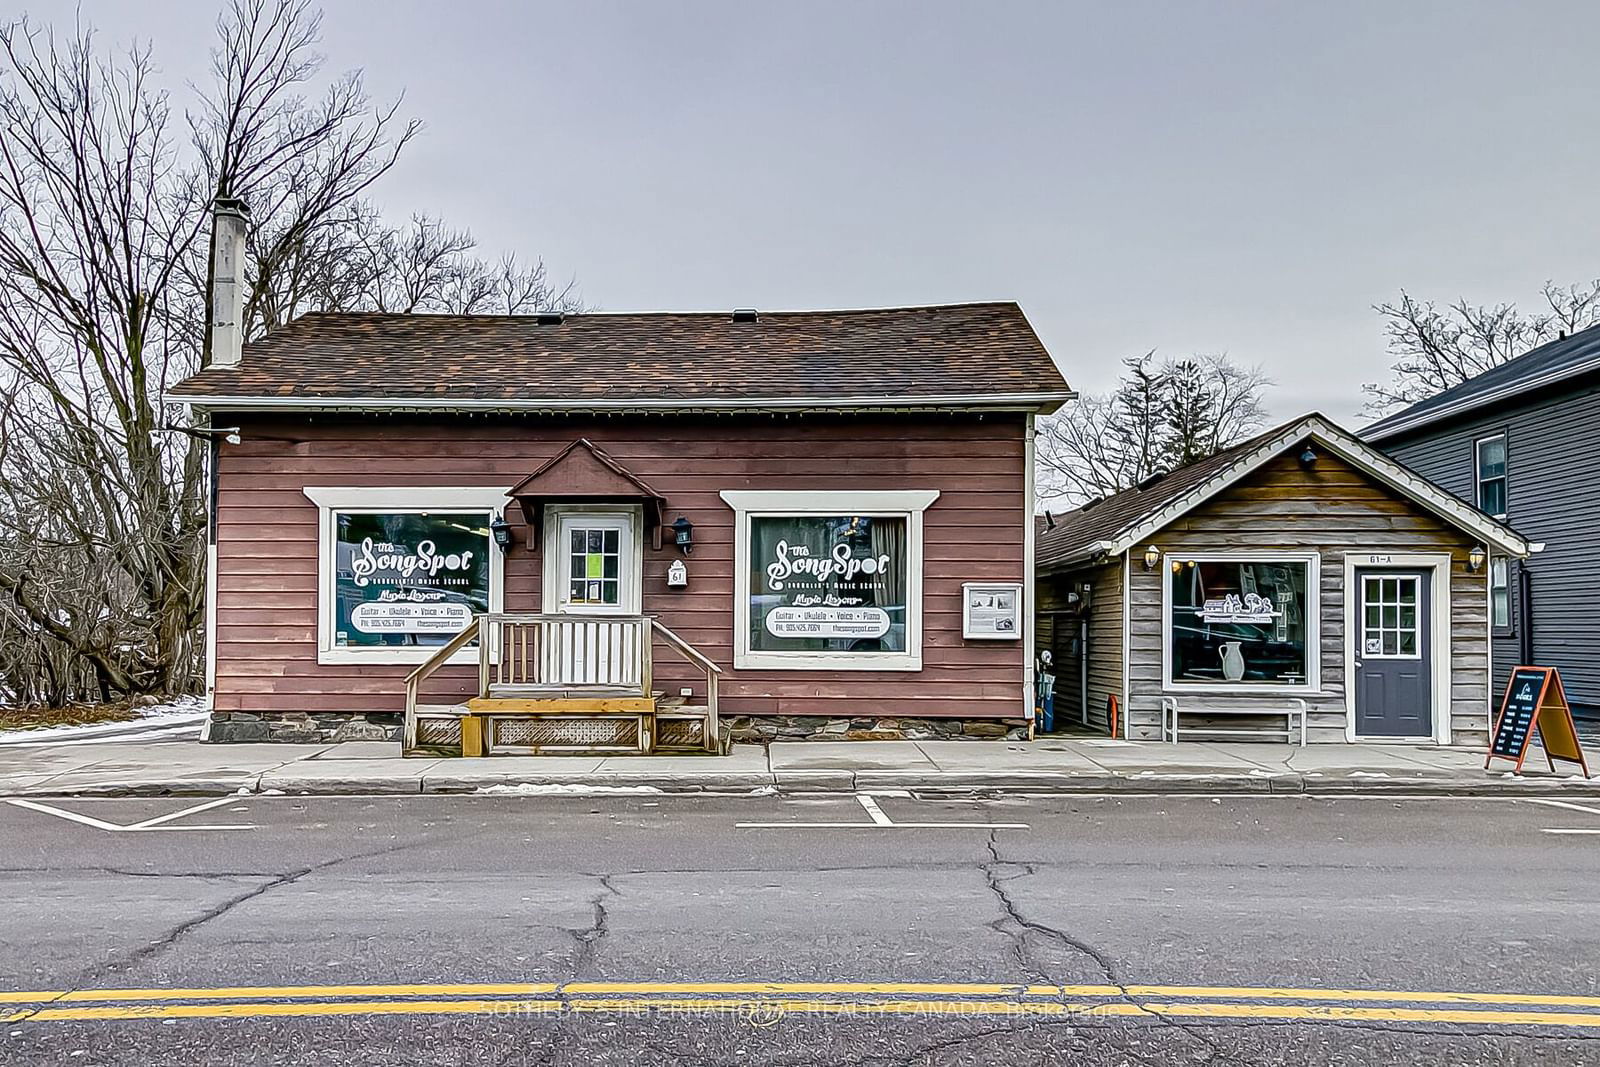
(171, 937)
(588, 937)
(1014, 917)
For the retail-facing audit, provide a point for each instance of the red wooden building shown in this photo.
(618, 531)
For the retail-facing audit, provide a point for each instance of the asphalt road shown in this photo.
(625, 930)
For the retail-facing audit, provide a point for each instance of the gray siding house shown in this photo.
(1522, 442)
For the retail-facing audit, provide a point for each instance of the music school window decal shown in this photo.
(407, 578)
(834, 583)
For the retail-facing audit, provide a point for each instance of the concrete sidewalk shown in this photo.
(1049, 765)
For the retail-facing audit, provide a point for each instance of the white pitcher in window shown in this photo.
(1232, 661)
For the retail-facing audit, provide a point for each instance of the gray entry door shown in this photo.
(1394, 653)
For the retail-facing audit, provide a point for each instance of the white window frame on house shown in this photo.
(1500, 580)
(1312, 608)
(394, 500)
(1478, 480)
(907, 504)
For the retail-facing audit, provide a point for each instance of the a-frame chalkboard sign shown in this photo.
(1534, 700)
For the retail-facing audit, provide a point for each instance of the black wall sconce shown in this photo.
(1476, 557)
(683, 534)
(501, 531)
(1152, 558)
(1307, 457)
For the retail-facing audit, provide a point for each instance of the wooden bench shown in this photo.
(1171, 709)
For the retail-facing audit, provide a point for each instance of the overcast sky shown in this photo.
(1183, 176)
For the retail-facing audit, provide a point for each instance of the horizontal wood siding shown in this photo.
(1552, 496)
(267, 545)
(1331, 509)
(1103, 648)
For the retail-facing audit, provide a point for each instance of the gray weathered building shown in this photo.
(1522, 441)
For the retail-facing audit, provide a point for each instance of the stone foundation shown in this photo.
(306, 728)
(764, 729)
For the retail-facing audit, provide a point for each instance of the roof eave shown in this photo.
(1401, 424)
(1037, 402)
(1494, 534)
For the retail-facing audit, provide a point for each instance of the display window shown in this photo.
(828, 580)
(1246, 622)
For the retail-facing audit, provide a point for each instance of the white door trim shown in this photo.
(551, 600)
(1438, 566)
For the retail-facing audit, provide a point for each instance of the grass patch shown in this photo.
(82, 715)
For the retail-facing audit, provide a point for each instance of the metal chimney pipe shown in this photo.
(229, 219)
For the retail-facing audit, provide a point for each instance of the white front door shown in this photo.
(595, 564)
(592, 570)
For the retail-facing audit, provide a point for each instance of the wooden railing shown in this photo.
(554, 651)
(530, 653)
(712, 671)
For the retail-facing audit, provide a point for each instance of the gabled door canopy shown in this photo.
(582, 473)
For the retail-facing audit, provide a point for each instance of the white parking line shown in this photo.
(880, 821)
(1561, 804)
(874, 812)
(155, 825)
(1570, 831)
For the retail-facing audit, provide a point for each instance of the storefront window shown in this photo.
(1240, 622)
(834, 583)
(407, 578)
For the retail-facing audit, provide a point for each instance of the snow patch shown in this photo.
(532, 789)
(156, 716)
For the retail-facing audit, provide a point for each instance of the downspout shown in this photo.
(213, 448)
(1029, 652)
(1083, 662)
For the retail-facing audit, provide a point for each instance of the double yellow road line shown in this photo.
(768, 1002)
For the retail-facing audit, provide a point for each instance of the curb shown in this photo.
(945, 784)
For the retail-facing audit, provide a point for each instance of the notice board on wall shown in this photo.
(1535, 702)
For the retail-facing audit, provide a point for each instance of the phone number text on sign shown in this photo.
(827, 622)
(411, 618)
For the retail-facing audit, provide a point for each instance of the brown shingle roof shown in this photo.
(1077, 531)
(964, 350)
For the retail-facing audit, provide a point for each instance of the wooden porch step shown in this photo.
(504, 690)
(564, 705)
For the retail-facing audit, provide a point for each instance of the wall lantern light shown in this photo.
(501, 529)
(1476, 557)
(683, 534)
(1307, 457)
(1152, 557)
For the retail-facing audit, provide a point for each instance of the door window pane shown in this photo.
(594, 566)
(1240, 622)
(1392, 602)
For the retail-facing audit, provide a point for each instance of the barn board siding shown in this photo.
(1104, 646)
(267, 545)
(1333, 510)
(1552, 496)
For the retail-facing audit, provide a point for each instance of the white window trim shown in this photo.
(1504, 628)
(1477, 473)
(1312, 608)
(775, 503)
(632, 587)
(394, 500)
(1439, 564)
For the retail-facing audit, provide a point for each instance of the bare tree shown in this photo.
(1435, 349)
(104, 293)
(1160, 416)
